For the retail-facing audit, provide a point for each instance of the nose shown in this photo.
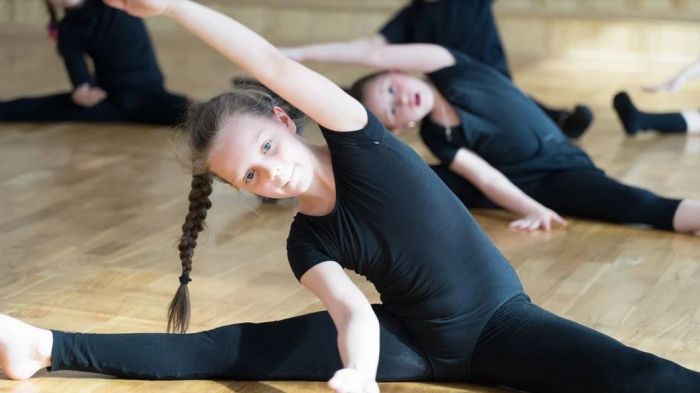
(402, 100)
(273, 171)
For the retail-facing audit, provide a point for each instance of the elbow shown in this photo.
(362, 314)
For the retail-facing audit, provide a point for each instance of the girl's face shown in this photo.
(66, 3)
(263, 156)
(398, 100)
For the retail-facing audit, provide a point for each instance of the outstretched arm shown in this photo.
(357, 325)
(334, 51)
(688, 73)
(374, 52)
(501, 191)
(312, 93)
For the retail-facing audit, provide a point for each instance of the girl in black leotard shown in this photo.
(496, 147)
(465, 25)
(453, 308)
(126, 86)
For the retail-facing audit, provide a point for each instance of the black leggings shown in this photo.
(522, 346)
(148, 105)
(586, 193)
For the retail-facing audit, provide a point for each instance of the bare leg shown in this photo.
(687, 218)
(24, 349)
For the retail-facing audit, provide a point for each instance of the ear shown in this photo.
(280, 115)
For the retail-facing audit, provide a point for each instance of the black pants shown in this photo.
(149, 105)
(522, 346)
(585, 193)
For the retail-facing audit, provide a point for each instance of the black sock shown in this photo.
(572, 124)
(635, 120)
(577, 121)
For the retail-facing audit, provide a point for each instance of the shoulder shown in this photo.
(372, 134)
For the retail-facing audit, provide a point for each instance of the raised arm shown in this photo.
(356, 323)
(334, 51)
(375, 53)
(312, 93)
(688, 73)
(501, 191)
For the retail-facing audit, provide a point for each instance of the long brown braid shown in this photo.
(179, 311)
(203, 123)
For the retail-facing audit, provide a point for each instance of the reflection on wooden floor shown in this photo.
(90, 215)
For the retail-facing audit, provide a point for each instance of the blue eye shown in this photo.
(249, 176)
(266, 146)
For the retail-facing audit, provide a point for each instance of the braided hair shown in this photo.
(203, 123)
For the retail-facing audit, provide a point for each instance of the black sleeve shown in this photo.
(438, 144)
(395, 31)
(73, 55)
(372, 134)
(301, 252)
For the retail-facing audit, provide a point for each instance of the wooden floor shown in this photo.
(91, 213)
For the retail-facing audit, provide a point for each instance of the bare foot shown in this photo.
(24, 349)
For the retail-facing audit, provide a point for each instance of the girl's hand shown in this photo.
(88, 96)
(538, 219)
(671, 85)
(142, 8)
(349, 380)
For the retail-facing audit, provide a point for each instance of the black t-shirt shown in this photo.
(466, 25)
(398, 225)
(499, 123)
(118, 44)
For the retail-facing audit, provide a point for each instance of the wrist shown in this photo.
(536, 209)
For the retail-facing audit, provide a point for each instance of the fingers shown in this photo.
(516, 225)
(535, 225)
(559, 220)
(524, 225)
(98, 93)
(546, 225)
